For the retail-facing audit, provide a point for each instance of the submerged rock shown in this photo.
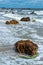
(26, 47)
(25, 19)
(33, 13)
(12, 22)
(33, 20)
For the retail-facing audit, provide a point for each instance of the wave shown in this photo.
(14, 16)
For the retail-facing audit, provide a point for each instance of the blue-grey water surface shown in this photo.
(9, 34)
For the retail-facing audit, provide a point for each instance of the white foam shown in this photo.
(39, 12)
(15, 16)
(4, 29)
(2, 21)
(39, 20)
(2, 12)
(36, 36)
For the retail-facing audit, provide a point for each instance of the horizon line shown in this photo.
(23, 8)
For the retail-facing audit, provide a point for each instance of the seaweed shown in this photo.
(28, 57)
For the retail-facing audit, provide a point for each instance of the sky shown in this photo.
(21, 3)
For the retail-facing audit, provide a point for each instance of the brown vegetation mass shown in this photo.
(25, 19)
(26, 47)
(12, 22)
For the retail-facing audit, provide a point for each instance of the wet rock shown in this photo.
(25, 19)
(12, 12)
(12, 22)
(33, 20)
(33, 13)
(26, 47)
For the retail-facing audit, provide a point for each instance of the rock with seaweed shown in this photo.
(26, 47)
(25, 19)
(12, 22)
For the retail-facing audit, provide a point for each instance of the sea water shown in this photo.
(10, 34)
(21, 3)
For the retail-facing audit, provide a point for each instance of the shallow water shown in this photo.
(9, 34)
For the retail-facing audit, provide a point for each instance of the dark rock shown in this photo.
(25, 19)
(26, 47)
(12, 12)
(33, 12)
(12, 22)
